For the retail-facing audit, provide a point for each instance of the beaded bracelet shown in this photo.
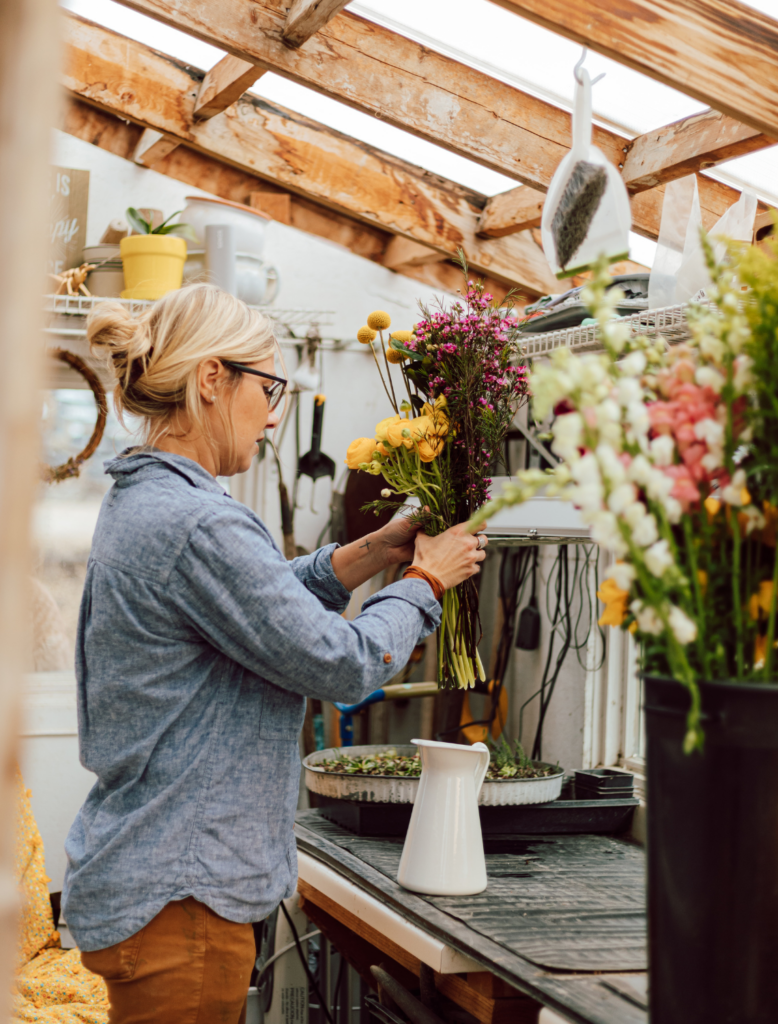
(416, 572)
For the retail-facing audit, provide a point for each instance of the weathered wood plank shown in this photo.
(721, 52)
(512, 211)
(153, 147)
(382, 73)
(402, 252)
(685, 146)
(225, 83)
(579, 998)
(306, 17)
(276, 205)
(133, 81)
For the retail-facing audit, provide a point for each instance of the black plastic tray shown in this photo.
(559, 817)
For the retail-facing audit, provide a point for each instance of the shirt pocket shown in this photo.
(282, 714)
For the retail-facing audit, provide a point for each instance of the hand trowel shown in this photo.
(315, 463)
(586, 214)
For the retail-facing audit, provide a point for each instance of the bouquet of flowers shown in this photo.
(671, 453)
(459, 386)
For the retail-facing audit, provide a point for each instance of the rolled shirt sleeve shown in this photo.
(280, 619)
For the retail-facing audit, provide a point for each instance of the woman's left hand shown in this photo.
(398, 539)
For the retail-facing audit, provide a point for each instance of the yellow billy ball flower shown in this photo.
(403, 336)
(379, 320)
(359, 452)
(366, 335)
(394, 356)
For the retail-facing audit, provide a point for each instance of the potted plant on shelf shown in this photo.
(153, 258)
(671, 453)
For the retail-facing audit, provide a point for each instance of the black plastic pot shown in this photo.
(713, 856)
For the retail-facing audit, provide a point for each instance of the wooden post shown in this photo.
(29, 62)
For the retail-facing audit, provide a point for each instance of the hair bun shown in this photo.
(112, 331)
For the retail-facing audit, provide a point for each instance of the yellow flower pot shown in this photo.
(153, 265)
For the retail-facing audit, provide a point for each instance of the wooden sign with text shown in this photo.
(67, 218)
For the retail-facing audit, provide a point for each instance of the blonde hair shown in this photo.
(155, 357)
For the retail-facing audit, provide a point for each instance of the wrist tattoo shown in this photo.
(365, 545)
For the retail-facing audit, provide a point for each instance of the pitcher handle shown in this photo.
(482, 766)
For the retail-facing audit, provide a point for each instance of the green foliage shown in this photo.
(143, 226)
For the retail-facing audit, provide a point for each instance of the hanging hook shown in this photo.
(578, 67)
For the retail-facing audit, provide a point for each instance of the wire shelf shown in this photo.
(669, 322)
(82, 305)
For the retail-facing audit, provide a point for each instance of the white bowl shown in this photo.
(388, 789)
(250, 225)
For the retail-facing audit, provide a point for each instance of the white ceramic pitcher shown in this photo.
(443, 853)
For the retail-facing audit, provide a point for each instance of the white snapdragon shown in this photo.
(610, 464)
(642, 524)
(589, 493)
(640, 470)
(647, 619)
(709, 377)
(743, 378)
(710, 431)
(732, 493)
(673, 509)
(593, 372)
(658, 486)
(633, 364)
(684, 629)
(568, 436)
(607, 411)
(621, 498)
(623, 574)
(604, 531)
(616, 335)
(628, 390)
(754, 520)
(658, 558)
(662, 450)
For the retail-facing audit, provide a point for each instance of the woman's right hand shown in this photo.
(452, 556)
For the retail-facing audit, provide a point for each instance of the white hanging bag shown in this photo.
(586, 214)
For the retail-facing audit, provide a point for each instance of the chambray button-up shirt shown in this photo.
(197, 643)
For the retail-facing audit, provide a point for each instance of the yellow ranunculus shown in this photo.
(359, 452)
(379, 447)
(382, 428)
(437, 414)
(420, 427)
(615, 601)
(394, 433)
(430, 448)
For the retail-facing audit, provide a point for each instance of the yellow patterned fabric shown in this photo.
(52, 985)
(36, 927)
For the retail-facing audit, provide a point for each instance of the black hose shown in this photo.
(304, 962)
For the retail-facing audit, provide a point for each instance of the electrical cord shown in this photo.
(304, 962)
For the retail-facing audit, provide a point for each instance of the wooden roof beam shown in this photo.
(423, 92)
(224, 84)
(721, 52)
(652, 159)
(306, 17)
(157, 92)
(120, 137)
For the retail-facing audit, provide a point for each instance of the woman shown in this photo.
(197, 645)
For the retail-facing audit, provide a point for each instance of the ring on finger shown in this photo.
(482, 541)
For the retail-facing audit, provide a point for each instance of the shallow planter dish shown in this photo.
(398, 789)
(153, 265)
(107, 279)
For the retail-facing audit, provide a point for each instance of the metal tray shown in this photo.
(387, 789)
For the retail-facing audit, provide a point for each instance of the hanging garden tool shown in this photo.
(586, 214)
(315, 463)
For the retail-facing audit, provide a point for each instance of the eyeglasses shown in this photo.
(274, 393)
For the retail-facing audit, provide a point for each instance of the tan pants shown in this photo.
(187, 966)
